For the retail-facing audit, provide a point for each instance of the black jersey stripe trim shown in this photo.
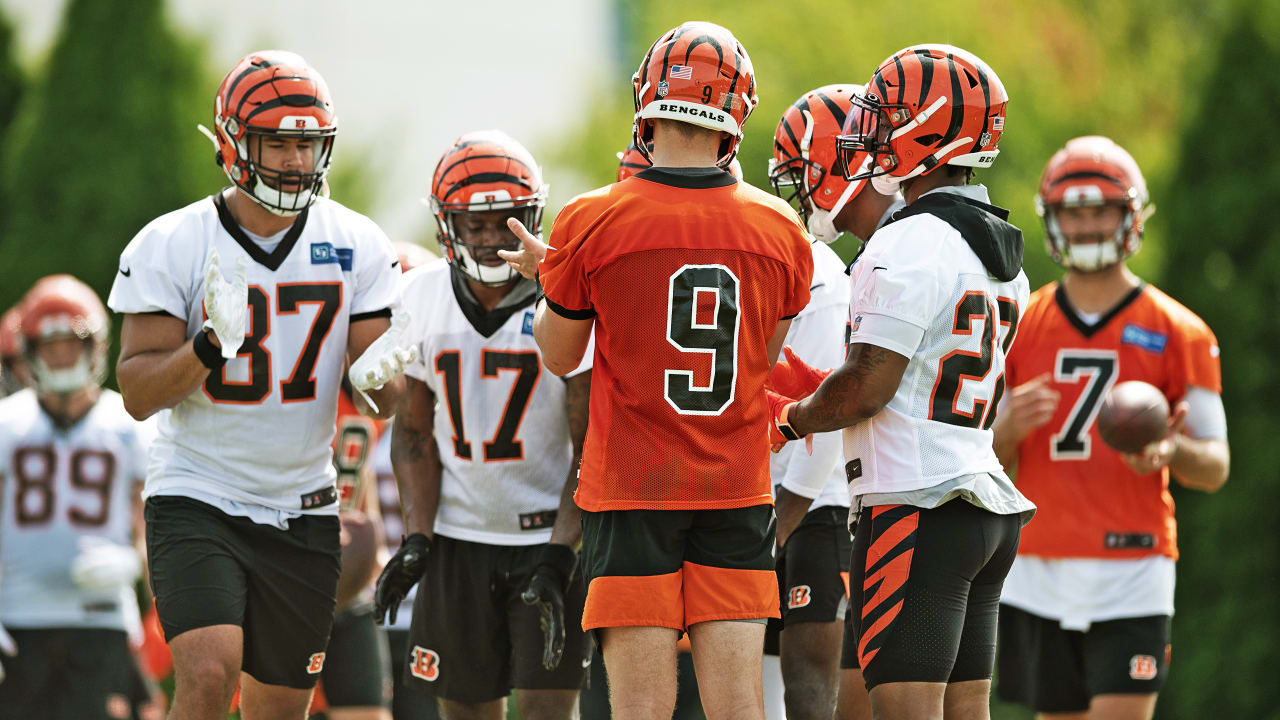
(272, 260)
(383, 313)
(688, 178)
(563, 311)
(1060, 297)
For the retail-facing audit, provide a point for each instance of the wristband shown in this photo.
(784, 423)
(210, 356)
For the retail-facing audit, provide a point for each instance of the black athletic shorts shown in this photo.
(406, 703)
(210, 568)
(69, 673)
(677, 568)
(924, 591)
(1052, 670)
(357, 665)
(813, 572)
(473, 639)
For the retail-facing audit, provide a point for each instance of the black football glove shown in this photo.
(402, 572)
(546, 589)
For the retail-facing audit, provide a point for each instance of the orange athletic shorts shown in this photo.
(677, 568)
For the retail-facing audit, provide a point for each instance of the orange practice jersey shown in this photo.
(353, 444)
(1090, 503)
(687, 275)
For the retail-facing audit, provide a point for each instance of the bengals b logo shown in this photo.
(316, 663)
(426, 664)
(1143, 667)
(798, 597)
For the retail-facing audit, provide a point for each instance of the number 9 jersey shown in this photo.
(687, 273)
(257, 432)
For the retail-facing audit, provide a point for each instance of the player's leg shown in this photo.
(632, 564)
(1126, 662)
(727, 656)
(357, 669)
(544, 694)
(853, 702)
(459, 646)
(968, 695)
(641, 665)
(292, 591)
(93, 675)
(815, 600)
(196, 561)
(730, 590)
(1041, 665)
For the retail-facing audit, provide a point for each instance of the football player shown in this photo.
(72, 460)
(1084, 631)
(241, 507)
(13, 368)
(485, 450)
(690, 279)
(811, 498)
(935, 302)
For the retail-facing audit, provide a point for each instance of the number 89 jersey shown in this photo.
(59, 488)
(258, 431)
(922, 290)
(501, 425)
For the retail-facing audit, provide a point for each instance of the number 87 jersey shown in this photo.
(258, 430)
(943, 286)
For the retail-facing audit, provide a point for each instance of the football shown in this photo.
(1133, 415)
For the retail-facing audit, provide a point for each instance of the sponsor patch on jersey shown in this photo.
(323, 253)
(537, 520)
(527, 328)
(1148, 340)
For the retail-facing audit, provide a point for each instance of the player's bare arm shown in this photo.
(158, 366)
(561, 341)
(1030, 405)
(857, 390)
(790, 509)
(360, 336)
(416, 458)
(1196, 463)
(577, 394)
(774, 346)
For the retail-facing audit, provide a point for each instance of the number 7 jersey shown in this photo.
(257, 432)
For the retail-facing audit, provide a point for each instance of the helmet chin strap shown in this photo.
(62, 382)
(822, 222)
(480, 272)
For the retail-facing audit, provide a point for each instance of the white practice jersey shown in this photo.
(500, 422)
(921, 291)
(257, 433)
(60, 488)
(817, 336)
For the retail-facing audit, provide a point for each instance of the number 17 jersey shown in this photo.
(687, 273)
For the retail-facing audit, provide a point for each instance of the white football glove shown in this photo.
(226, 303)
(384, 359)
(104, 565)
(7, 647)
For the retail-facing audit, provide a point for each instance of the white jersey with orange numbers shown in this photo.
(254, 438)
(500, 422)
(64, 489)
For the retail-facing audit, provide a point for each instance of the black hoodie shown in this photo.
(984, 227)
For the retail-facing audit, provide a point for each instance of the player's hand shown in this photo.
(525, 260)
(1030, 405)
(384, 359)
(780, 430)
(226, 304)
(547, 586)
(402, 572)
(104, 565)
(1158, 454)
(794, 377)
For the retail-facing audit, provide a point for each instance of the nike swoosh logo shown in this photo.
(395, 264)
(126, 271)
(815, 287)
(879, 267)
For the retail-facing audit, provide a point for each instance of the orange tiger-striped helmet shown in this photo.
(1092, 171)
(696, 73)
(59, 306)
(805, 160)
(481, 172)
(13, 375)
(925, 106)
(274, 94)
(630, 162)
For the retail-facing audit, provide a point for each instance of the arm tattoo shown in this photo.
(856, 391)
